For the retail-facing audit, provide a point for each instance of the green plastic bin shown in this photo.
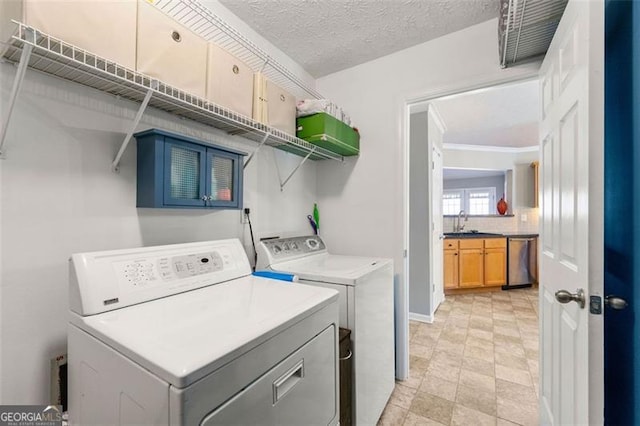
(329, 133)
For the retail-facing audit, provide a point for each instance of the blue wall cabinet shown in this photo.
(179, 172)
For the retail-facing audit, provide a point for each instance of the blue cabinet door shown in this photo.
(185, 169)
(224, 179)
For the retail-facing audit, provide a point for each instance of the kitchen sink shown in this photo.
(471, 235)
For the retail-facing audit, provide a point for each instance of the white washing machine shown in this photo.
(185, 335)
(366, 308)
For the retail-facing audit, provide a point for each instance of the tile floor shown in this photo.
(477, 364)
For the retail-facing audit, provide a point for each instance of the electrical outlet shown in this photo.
(523, 217)
(243, 215)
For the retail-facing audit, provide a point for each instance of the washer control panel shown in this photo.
(283, 248)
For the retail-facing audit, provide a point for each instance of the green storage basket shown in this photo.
(329, 133)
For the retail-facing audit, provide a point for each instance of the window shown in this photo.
(452, 202)
(474, 201)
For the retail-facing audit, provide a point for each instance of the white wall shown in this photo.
(362, 201)
(517, 162)
(58, 196)
(486, 159)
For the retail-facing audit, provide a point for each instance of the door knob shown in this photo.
(563, 296)
(615, 302)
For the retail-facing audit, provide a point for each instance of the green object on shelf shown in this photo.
(329, 133)
(316, 215)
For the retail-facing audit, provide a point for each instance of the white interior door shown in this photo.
(436, 229)
(571, 234)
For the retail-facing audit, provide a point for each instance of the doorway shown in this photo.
(468, 351)
(480, 136)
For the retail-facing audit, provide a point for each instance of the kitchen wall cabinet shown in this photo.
(475, 263)
(177, 172)
(536, 176)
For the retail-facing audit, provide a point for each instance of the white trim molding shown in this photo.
(433, 110)
(421, 317)
(489, 148)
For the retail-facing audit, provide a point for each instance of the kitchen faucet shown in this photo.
(460, 227)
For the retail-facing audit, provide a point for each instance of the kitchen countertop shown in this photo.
(467, 235)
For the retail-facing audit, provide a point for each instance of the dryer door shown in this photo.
(299, 390)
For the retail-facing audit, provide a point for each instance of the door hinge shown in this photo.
(433, 165)
(595, 305)
(404, 254)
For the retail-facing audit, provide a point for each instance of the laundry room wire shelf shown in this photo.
(56, 57)
(213, 28)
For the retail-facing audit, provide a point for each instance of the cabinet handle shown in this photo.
(455, 254)
(348, 356)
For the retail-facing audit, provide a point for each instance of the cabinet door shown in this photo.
(471, 267)
(184, 177)
(224, 179)
(495, 266)
(450, 277)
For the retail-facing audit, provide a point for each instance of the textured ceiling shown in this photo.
(505, 116)
(325, 36)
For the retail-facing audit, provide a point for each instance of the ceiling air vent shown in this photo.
(526, 28)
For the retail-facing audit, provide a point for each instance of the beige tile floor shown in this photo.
(477, 364)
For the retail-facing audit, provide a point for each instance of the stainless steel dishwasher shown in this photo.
(522, 262)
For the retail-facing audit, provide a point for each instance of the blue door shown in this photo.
(622, 213)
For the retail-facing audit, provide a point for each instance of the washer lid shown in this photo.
(332, 268)
(185, 337)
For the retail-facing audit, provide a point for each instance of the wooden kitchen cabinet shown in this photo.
(450, 268)
(495, 262)
(536, 188)
(471, 264)
(475, 263)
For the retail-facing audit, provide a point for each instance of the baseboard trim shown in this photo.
(421, 317)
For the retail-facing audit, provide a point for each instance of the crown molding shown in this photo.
(435, 114)
(490, 148)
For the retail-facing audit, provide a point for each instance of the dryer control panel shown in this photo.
(103, 281)
(149, 271)
(280, 249)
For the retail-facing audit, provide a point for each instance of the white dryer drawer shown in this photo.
(170, 52)
(104, 28)
(298, 391)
